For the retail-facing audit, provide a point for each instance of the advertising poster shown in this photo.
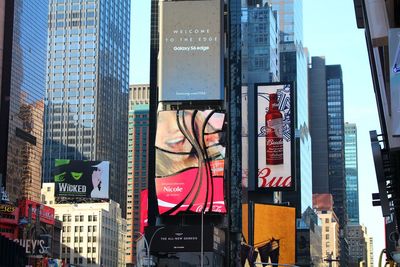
(394, 63)
(144, 209)
(191, 50)
(46, 213)
(80, 178)
(274, 235)
(190, 156)
(275, 136)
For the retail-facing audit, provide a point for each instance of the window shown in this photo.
(81, 218)
(77, 218)
(89, 249)
(90, 218)
(81, 228)
(95, 218)
(94, 228)
(76, 228)
(94, 239)
(94, 249)
(89, 239)
(75, 239)
(89, 228)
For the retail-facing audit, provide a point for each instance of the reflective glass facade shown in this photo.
(335, 109)
(22, 89)
(350, 154)
(87, 86)
(260, 54)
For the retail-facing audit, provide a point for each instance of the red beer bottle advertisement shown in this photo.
(274, 140)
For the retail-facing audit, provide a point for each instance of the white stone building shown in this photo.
(93, 234)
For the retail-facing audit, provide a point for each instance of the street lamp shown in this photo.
(148, 244)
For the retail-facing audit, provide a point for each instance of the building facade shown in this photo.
(23, 72)
(327, 132)
(138, 137)
(350, 154)
(330, 232)
(381, 22)
(92, 233)
(86, 106)
(359, 246)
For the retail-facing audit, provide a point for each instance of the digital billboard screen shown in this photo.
(81, 178)
(275, 136)
(274, 235)
(191, 50)
(190, 157)
(394, 63)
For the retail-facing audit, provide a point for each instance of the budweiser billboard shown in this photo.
(274, 235)
(46, 212)
(191, 50)
(190, 157)
(275, 136)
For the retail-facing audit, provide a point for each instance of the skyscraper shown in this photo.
(351, 166)
(138, 136)
(293, 68)
(260, 38)
(23, 72)
(327, 132)
(86, 107)
(232, 105)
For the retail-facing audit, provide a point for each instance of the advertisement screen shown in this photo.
(46, 213)
(274, 235)
(190, 157)
(80, 178)
(275, 136)
(394, 63)
(191, 50)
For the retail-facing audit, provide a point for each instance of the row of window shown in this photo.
(78, 250)
(78, 218)
(79, 239)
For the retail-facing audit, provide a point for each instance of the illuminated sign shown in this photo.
(274, 234)
(46, 212)
(33, 246)
(7, 208)
(275, 136)
(190, 156)
(191, 50)
(81, 178)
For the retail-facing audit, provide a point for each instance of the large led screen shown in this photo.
(275, 136)
(191, 50)
(190, 155)
(274, 235)
(80, 178)
(394, 63)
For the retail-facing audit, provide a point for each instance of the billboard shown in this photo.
(46, 213)
(274, 235)
(394, 63)
(191, 50)
(186, 238)
(81, 178)
(190, 157)
(275, 136)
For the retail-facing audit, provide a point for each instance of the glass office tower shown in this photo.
(293, 68)
(23, 72)
(351, 166)
(87, 86)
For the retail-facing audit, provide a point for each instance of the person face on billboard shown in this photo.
(99, 180)
(184, 137)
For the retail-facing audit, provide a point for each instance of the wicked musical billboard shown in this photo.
(275, 136)
(191, 50)
(81, 178)
(190, 156)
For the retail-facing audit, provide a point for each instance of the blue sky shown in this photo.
(329, 30)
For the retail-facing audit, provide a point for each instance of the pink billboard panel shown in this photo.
(190, 156)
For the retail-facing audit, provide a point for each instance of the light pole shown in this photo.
(148, 244)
